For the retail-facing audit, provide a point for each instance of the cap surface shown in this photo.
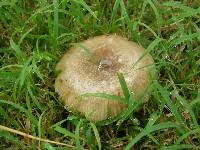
(79, 75)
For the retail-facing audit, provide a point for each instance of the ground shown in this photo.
(34, 36)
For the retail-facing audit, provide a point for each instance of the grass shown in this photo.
(35, 34)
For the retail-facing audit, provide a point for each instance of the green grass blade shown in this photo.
(186, 135)
(195, 101)
(146, 131)
(12, 138)
(181, 147)
(36, 70)
(132, 105)
(17, 106)
(156, 12)
(55, 23)
(65, 132)
(89, 53)
(58, 123)
(171, 105)
(36, 13)
(143, 10)
(28, 103)
(4, 3)
(153, 118)
(149, 28)
(5, 115)
(77, 134)
(96, 133)
(184, 38)
(187, 107)
(48, 146)
(39, 125)
(84, 4)
(18, 53)
(158, 17)
(123, 85)
(124, 12)
(186, 15)
(25, 34)
(115, 8)
(25, 72)
(149, 48)
(178, 5)
(102, 95)
(62, 148)
(35, 100)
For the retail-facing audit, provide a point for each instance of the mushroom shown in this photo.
(112, 54)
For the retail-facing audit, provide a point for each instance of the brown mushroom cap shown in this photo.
(79, 75)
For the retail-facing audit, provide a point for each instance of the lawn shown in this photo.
(35, 35)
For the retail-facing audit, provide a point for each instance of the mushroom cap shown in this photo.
(79, 75)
